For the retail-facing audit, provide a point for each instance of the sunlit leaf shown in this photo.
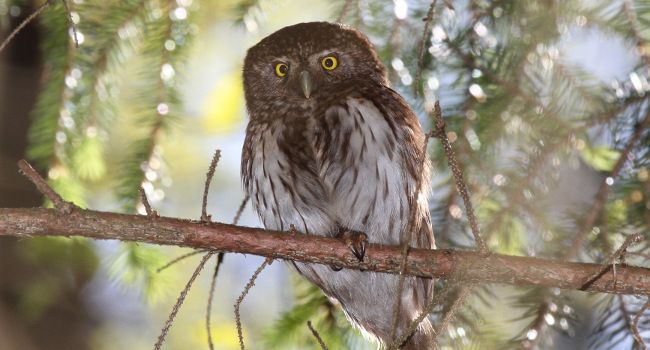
(601, 158)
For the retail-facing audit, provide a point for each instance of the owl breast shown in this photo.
(340, 167)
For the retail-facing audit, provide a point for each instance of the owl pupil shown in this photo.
(284, 69)
(329, 62)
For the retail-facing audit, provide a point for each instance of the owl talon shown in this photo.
(356, 241)
(336, 268)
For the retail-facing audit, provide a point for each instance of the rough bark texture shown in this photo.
(441, 263)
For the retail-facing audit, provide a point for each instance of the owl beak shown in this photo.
(306, 83)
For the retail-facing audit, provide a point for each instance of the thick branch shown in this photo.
(441, 263)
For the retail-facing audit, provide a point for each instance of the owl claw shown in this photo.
(356, 241)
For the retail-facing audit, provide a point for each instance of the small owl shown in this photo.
(331, 149)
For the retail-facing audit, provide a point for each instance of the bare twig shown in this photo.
(441, 133)
(425, 32)
(179, 302)
(208, 178)
(240, 210)
(151, 213)
(635, 325)
(211, 297)
(634, 28)
(451, 312)
(179, 258)
(247, 288)
(190, 254)
(344, 10)
(317, 336)
(603, 190)
(213, 283)
(42, 186)
(413, 226)
(71, 21)
(428, 309)
(25, 22)
(611, 261)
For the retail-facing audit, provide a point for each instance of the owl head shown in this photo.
(307, 62)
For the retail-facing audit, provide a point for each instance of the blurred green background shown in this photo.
(540, 98)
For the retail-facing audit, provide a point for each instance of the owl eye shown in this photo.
(281, 69)
(329, 62)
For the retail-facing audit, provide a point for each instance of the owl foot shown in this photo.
(355, 240)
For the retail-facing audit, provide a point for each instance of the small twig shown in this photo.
(413, 225)
(247, 288)
(190, 254)
(425, 31)
(61, 205)
(603, 190)
(151, 213)
(611, 261)
(451, 312)
(634, 28)
(71, 21)
(635, 325)
(208, 178)
(25, 22)
(344, 10)
(240, 210)
(179, 301)
(211, 297)
(180, 258)
(317, 336)
(441, 133)
(220, 257)
(428, 309)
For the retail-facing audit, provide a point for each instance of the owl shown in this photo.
(331, 149)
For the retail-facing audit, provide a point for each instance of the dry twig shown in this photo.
(179, 258)
(425, 31)
(611, 261)
(42, 186)
(344, 10)
(247, 288)
(603, 190)
(635, 325)
(151, 213)
(213, 283)
(460, 298)
(179, 302)
(210, 298)
(413, 226)
(71, 21)
(317, 336)
(25, 22)
(208, 178)
(441, 133)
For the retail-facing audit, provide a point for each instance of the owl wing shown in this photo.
(369, 147)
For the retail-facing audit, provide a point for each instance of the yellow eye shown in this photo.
(329, 62)
(281, 69)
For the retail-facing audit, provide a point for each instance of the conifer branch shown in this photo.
(440, 263)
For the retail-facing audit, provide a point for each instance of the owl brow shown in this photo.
(326, 53)
(280, 59)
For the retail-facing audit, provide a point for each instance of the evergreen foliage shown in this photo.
(520, 113)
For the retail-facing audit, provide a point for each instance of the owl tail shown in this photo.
(422, 339)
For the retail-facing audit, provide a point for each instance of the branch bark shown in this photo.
(468, 266)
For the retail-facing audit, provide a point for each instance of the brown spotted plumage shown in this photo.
(332, 150)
